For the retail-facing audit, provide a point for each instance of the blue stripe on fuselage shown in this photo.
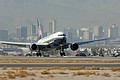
(56, 43)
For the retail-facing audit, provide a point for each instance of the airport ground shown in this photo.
(58, 73)
(73, 68)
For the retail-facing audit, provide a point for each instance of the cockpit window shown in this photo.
(62, 35)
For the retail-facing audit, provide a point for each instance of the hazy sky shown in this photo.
(68, 13)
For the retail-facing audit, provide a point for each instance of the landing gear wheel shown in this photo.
(38, 54)
(62, 53)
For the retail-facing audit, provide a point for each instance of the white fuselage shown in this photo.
(50, 38)
(52, 41)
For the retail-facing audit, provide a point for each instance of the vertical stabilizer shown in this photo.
(40, 35)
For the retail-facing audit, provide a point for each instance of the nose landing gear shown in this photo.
(62, 53)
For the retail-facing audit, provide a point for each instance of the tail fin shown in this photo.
(40, 35)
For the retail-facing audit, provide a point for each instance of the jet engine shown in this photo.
(74, 46)
(33, 47)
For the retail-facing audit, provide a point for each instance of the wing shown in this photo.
(21, 44)
(15, 43)
(89, 41)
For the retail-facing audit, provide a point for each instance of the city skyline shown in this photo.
(23, 33)
(68, 13)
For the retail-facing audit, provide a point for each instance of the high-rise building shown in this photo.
(18, 32)
(98, 32)
(3, 35)
(78, 33)
(52, 26)
(95, 30)
(33, 30)
(42, 27)
(114, 31)
(11, 36)
(71, 34)
(107, 32)
(91, 35)
(23, 32)
(86, 34)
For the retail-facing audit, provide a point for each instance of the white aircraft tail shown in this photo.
(40, 35)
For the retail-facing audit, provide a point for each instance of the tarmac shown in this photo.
(57, 64)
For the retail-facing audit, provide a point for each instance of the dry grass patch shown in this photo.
(45, 72)
(56, 68)
(4, 68)
(86, 73)
(23, 68)
(74, 68)
(46, 77)
(10, 74)
(115, 69)
(92, 68)
(60, 73)
(24, 74)
(32, 79)
(118, 75)
(3, 78)
(14, 74)
(105, 74)
(36, 68)
(50, 76)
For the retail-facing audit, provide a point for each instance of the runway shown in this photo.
(63, 58)
(37, 61)
(59, 64)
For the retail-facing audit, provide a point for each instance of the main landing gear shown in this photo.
(62, 53)
(38, 54)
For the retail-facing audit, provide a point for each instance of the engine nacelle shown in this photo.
(33, 47)
(74, 46)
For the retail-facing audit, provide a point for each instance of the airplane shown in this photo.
(56, 40)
